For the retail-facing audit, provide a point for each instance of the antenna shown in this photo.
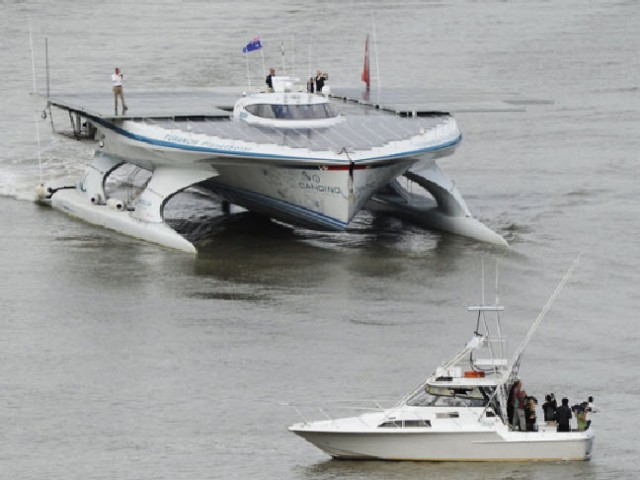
(497, 271)
(293, 55)
(33, 59)
(46, 57)
(482, 261)
(35, 114)
(310, 71)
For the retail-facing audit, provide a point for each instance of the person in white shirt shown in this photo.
(116, 80)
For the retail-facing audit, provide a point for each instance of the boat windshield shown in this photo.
(451, 397)
(292, 112)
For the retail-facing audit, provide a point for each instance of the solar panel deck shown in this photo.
(372, 119)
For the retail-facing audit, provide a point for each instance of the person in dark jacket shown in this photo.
(563, 416)
(549, 409)
(320, 79)
(269, 81)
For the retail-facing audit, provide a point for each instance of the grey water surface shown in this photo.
(124, 360)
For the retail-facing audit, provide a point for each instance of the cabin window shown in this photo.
(472, 395)
(421, 399)
(405, 423)
(292, 112)
(447, 415)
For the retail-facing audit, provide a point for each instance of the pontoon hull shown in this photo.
(76, 204)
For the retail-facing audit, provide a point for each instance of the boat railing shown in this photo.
(334, 405)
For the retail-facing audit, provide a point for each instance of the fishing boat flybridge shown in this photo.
(458, 414)
(304, 159)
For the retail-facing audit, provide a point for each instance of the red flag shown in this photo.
(365, 70)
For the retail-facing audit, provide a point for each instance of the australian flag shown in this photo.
(254, 44)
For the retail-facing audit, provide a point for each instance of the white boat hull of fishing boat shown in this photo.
(459, 413)
(459, 439)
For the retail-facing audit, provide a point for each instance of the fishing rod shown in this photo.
(517, 356)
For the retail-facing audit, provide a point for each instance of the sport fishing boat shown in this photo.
(311, 160)
(458, 414)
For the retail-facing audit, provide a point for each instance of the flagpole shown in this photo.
(375, 45)
(246, 55)
(264, 68)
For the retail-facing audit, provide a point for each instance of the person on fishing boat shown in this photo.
(519, 419)
(581, 416)
(563, 416)
(530, 413)
(549, 408)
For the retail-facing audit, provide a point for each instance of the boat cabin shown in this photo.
(288, 107)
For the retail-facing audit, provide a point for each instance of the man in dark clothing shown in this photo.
(320, 79)
(563, 416)
(549, 409)
(269, 81)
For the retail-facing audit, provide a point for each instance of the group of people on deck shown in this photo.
(521, 410)
(314, 84)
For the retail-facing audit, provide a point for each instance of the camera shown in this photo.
(580, 407)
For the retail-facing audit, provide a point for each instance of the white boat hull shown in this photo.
(308, 196)
(416, 445)
(315, 189)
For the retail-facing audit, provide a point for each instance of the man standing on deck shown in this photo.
(116, 80)
(563, 416)
(269, 80)
(518, 402)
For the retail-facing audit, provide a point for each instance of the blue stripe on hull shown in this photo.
(296, 211)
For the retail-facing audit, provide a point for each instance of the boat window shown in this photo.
(292, 112)
(471, 396)
(421, 399)
(448, 415)
(405, 423)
